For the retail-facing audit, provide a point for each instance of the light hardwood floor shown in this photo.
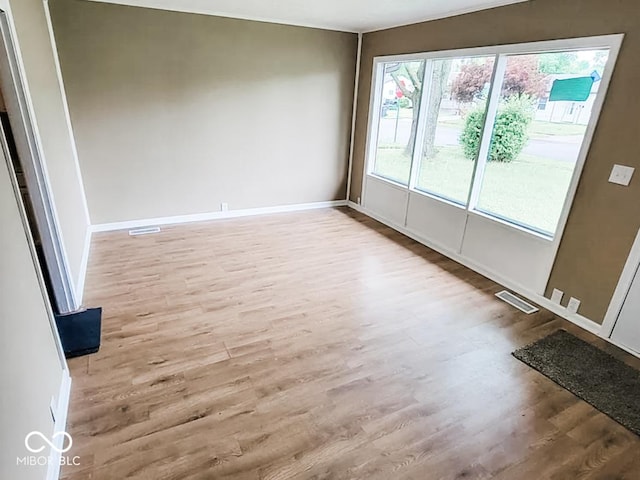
(319, 345)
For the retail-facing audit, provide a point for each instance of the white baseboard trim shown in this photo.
(575, 318)
(200, 217)
(540, 300)
(79, 293)
(62, 410)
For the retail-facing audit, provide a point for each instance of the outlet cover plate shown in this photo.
(621, 175)
(574, 304)
(556, 296)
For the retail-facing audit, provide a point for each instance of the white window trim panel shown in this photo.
(611, 42)
(625, 281)
(19, 102)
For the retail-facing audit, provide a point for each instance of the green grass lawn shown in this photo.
(541, 129)
(530, 190)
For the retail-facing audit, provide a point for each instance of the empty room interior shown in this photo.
(335, 240)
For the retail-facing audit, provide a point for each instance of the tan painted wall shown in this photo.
(30, 369)
(57, 143)
(175, 113)
(604, 218)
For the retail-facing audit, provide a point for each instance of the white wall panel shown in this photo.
(522, 257)
(439, 222)
(386, 199)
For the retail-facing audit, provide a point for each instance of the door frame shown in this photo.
(622, 289)
(28, 143)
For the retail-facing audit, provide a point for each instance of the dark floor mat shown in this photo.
(601, 380)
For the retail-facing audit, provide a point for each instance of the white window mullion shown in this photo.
(495, 92)
(418, 147)
(374, 122)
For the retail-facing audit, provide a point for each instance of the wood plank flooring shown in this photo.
(319, 345)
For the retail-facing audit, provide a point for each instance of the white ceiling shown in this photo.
(345, 15)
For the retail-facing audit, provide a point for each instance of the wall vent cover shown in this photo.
(520, 304)
(144, 231)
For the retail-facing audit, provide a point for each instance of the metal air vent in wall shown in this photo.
(144, 231)
(520, 304)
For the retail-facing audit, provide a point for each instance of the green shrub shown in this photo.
(509, 132)
(470, 138)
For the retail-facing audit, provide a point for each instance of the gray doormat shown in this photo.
(596, 377)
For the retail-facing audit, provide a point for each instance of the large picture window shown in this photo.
(496, 132)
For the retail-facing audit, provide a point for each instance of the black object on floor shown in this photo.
(608, 384)
(80, 332)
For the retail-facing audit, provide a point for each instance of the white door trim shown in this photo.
(622, 289)
(32, 250)
(21, 113)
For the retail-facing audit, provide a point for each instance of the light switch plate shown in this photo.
(621, 174)
(556, 296)
(573, 306)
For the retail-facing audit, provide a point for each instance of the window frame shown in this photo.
(501, 52)
(373, 129)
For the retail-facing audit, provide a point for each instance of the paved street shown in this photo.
(560, 147)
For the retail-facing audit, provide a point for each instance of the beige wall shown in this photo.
(57, 141)
(30, 368)
(175, 113)
(604, 218)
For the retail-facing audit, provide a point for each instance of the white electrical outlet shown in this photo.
(621, 175)
(573, 306)
(224, 206)
(556, 296)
